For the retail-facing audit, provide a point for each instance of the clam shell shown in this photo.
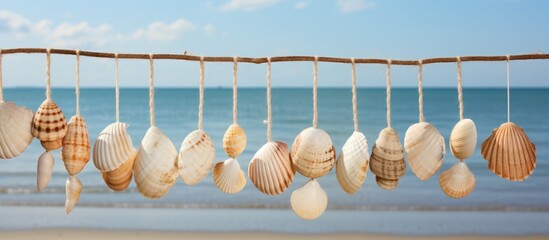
(309, 201)
(228, 176)
(44, 170)
(15, 129)
(234, 140)
(509, 152)
(458, 181)
(425, 149)
(463, 139)
(155, 166)
(352, 163)
(387, 160)
(196, 157)
(49, 122)
(312, 153)
(119, 179)
(76, 146)
(52, 145)
(113, 147)
(73, 188)
(271, 169)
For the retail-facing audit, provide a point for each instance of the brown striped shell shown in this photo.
(313, 154)
(76, 146)
(15, 129)
(119, 179)
(49, 123)
(458, 181)
(271, 170)
(387, 160)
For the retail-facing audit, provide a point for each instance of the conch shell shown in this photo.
(352, 163)
(387, 160)
(76, 146)
(458, 181)
(425, 149)
(312, 153)
(196, 157)
(44, 170)
(73, 188)
(271, 169)
(309, 201)
(49, 125)
(228, 177)
(463, 139)
(234, 140)
(15, 129)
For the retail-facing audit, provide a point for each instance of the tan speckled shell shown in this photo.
(73, 188)
(52, 145)
(425, 149)
(119, 179)
(49, 123)
(228, 177)
(387, 160)
(234, 140)
(352, 163)
(76, 146)
(310, 201)
(313, 154)
(458, 181)
(44, 170)
(463, 139)
(15, 129)
(510, 153)
(196, 157)
(271, 170)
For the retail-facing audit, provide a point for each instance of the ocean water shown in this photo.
(176, 115)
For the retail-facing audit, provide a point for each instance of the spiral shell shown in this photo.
(309, 201)
(352, 163)
(425, 149)
(15, 129)
(458, 181)
(312, 153)
(196, 157)
(44, 170)
(73, 188)
(49, 122)
(463, 139)
(76, 146)
(271, 169)
(387, 160)
(228, 177)
(234, 140)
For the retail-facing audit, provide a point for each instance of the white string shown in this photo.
(48, 78)
(1, 86)
(460, 90)
(235, 91)
(315, 82)
(389, 93)
(508, 91)
(151, 89)
(117, 87)
(355, 107)
(201, 95)
(420, 91)
(269, 114)
(77, 82)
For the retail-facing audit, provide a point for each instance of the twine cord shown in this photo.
(48, 78)
(201, 95)
(1, 86)
(151, 89)
(508, 91)
(117, 88)
(389, 93)
(420, 91)
(269, 110)
(235, 91)
(460, 90)
(315, 83)
(77, 90)
(355, 107)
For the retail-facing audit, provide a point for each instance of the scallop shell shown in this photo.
(52, 145)
(119, 179)
(458, 181)
(49, 122)
(15, 129)
(44, 170)
(309, 201)
(113, 147)
(352, 163)
(76, 146)
(196, 157)
(425, 149)
(312, 153)
(509, 152)
(387, 160)
(234, 140)
(228, 176)
(271, 169)
(73, 188)
(155, 166)
(463, 139)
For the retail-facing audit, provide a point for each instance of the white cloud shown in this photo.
(160, 31)
(247, 5)
(301, 5)
(347, 6)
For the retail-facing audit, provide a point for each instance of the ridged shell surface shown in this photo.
(15, 129)
(425, 149)
(73, 188)
(463, 139)
(113, 147)
(228, 177)
(271, 169)
(387, 160)
(196, 157)
(49, 123)
(458, 181)
(119, 179)
(309, 201)
(313, 154)
(510, 153)
(352, 163)
(44, 170)
(76, 146)
(234, 140)
(155, 168)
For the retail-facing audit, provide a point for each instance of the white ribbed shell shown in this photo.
(458, 181)
(228, 177)
(15, 129)
(309, 201)
(352, 163)
(463, 139)
(196, 157)
(44, 170)
(73, 188)
(425, 149)
(113, 147)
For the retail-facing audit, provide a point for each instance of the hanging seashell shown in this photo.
(155, 166)
(49, 124)
(76, 146)
(15, 129)
(119, 179)
(387, 160)
(44, 170)
(234, 140)
(309, 201)
(73, 188)
(52, 145)
(271, 169)
(458, 181)
(352, 163)
(509, 152)
(196, 157)
(228, 177)
(312, 153)
(463, 139)
(425, 149)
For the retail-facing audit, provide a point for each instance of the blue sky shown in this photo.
(257, 28)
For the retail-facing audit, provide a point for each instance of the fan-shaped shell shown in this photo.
(44, 170)
(425, 149)
(352, 163)
(309, 201)
(458, 181)
(76, 146)
(234, 140)
(228, 177)
(509, 152)
(15, 129)
(155, 167)
(271, 169)
(119, 179)
(196, 157)
(49, 123)
(73, 188)
(387, 160)
(113, 147)
(312, 153)
(463, 139)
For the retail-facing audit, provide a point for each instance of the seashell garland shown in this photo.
(509, 152)
(312, 153)
(463, 139)
(196, 157)
(15, 129)
(425, 149)
(458, 181)
(352, 163)
(271, 170)
(73, 188)
(44, 170)
(76, 146)
(49, 125)
(234, 140)
(309, 201)
(387, 160)
(228, 176)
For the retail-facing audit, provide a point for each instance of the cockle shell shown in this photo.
(119, 179)
(228, 176)
(271, 169)
(463, 139)
(234, 140)
(352, 163)
(312, 153)
(49, 122)
(387, 160)
(155, 166)
(509, 152)
(425, 149)
(44, 170)
(196, 157)
(458, 181)
(15, 129)
(73, 188)
(76, 146)
(309, 201)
